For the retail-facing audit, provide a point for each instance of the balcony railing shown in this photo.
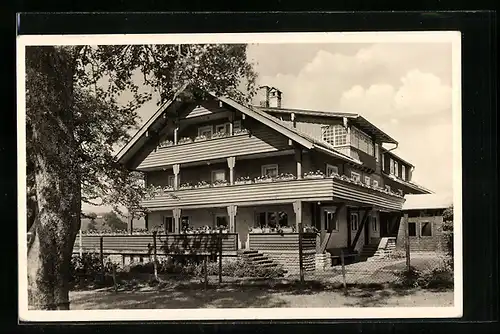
(315, 187)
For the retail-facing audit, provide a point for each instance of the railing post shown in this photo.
(301, 260)
(407, 242)
(101, 256)
(220, 255)
(342, 260)
(155, 260)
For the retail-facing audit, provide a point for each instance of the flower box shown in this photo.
(202, 186)
(289, 178)
(243, 182)
(200, 138)
(168, 188)
(185, 140)
(314, 176)
(263, 180)
(219, 185)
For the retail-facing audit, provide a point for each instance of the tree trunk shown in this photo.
(57, 178)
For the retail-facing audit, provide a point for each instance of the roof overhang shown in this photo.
(408, 184)
(359, 121)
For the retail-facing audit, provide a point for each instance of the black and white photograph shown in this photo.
(239, 176)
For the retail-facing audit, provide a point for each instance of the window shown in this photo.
(218, 175)
(236, 125)
(205, 131)
(426, 229)
(373, 220)
(361, 141)
(330, 221)
(388, 187)
(355, 176)
(221, 221)
(184, 222)
(391, 166)
(367, 180)
(271, 170)
(171, 181)
(396, 169)
(412, 229)
(222, 128)
(272, 219)
(335, 135)
(377, 152)
(403, 172)
(375, 183)
(331, 170)
(354, 221)
(169, 225)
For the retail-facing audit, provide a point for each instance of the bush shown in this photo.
(86, 268)
(440, 277)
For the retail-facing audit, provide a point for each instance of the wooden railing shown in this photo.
(281, 242)
(323, 189)
(206, 243)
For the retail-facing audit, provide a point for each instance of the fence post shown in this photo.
(407, 242)
(205, 270)
(101, 256)
(343, 271)
(80, 244)
(301, 260)
(155, 262)
(114, 277)
(220, 255)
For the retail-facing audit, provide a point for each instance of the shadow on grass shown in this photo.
(182, 292)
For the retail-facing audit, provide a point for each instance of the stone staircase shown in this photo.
(386, 246)
(367, 252)
(257, 258)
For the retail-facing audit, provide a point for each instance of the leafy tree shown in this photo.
(92, 226)
(114, 222)
(73, 123)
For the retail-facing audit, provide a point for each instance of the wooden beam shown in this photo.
(176, 213)
(298, 159)
(360, 229)
(335, 219)
(176, 169)
(231, 212)
(231, 162)
(297, 208)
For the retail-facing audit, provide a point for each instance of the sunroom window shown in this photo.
(335, 135)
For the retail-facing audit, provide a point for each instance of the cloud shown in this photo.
(403, 89)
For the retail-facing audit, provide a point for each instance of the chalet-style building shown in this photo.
(262, 171)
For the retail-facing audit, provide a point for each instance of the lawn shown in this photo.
(172, 295)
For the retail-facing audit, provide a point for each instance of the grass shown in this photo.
(172, 294)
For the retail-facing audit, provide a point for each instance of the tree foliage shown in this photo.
(113, 222)
(75, 120)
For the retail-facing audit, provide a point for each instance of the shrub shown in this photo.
(87, 267)
(440, 277)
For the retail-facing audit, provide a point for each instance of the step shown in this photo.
(254, 255)
(247, 252)
(263, 261)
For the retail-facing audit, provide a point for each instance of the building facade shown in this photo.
(261, 170)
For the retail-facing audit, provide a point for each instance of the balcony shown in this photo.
(311, 188)
(260, 140)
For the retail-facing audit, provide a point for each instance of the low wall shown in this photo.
(284, 249)
(165, 244)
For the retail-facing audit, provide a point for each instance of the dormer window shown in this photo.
(335, 135)
(222, 128)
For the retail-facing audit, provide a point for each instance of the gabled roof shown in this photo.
(305, 140)
(358, 120)
(427, 201)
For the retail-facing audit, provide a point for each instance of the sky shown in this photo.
(403, 88)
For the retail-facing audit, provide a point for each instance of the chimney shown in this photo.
(269, 97)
